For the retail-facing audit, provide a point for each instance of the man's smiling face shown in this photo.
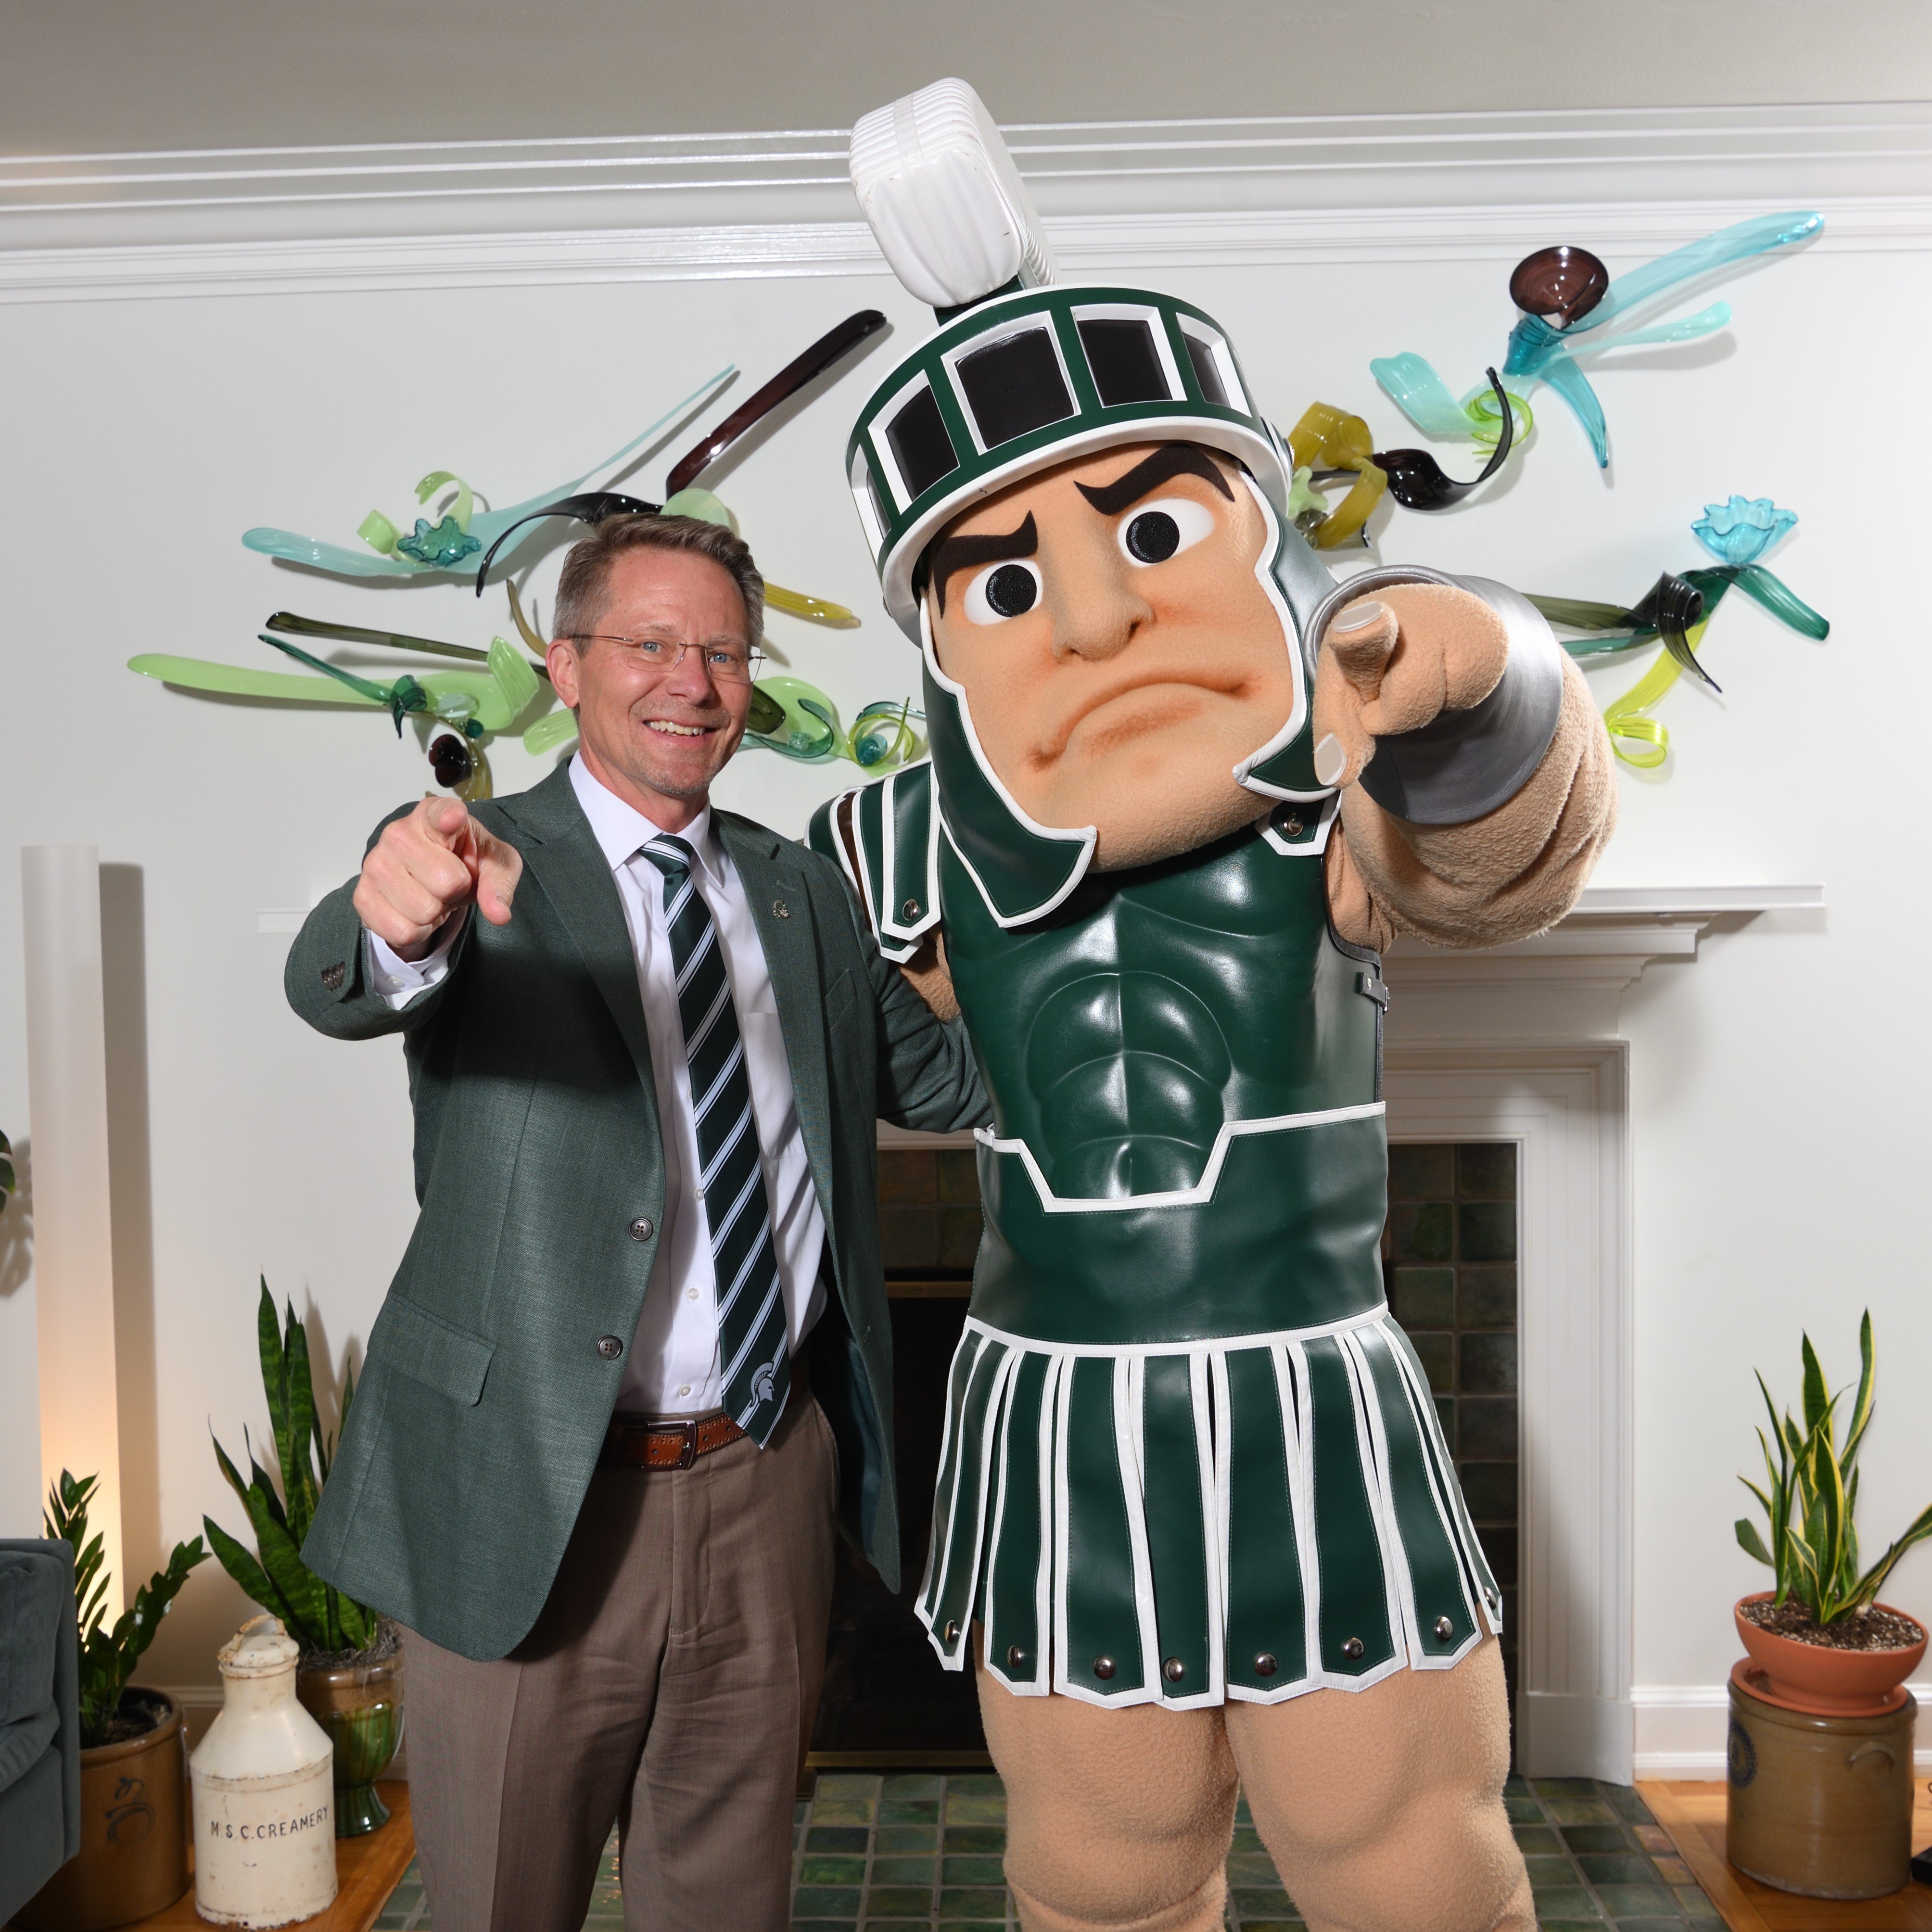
(1119, 654)
(657, 737)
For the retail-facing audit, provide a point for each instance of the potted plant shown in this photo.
(133, 1859)
(350, 1677)
(1823, 1641)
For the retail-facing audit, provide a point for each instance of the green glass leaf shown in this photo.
(439, 546)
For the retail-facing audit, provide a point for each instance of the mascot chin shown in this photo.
(1196, 1524)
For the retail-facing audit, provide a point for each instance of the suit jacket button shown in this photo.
(609, 1347)
(643, 1229)
(332, 976)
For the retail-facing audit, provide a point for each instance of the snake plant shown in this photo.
(319, 1616)
(1811, 1501)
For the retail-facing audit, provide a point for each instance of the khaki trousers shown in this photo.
(669, 1685)
(1382, 1808)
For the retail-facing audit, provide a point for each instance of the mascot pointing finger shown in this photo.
(1196, 1524)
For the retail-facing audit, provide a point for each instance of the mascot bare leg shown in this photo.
(1382, 1810)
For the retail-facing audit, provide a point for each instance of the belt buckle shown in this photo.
(688, 1431)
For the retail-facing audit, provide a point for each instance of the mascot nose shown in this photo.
(1096, 615)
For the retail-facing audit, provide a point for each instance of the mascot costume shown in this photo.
(1196, 1525)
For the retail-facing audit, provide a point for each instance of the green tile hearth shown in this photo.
(868, 1855)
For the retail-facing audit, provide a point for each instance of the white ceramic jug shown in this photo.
(264, 1792)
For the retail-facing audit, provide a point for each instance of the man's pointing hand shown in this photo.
(428, 866)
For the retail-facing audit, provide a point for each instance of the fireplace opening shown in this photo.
(1449, 1264)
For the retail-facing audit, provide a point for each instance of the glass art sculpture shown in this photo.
(1675, 611)
(464, 709)
(1565, 294)
(460, 534)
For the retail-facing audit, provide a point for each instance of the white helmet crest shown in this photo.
(940, 193)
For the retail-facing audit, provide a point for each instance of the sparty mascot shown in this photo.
(1196, 1524)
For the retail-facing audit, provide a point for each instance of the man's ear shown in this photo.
(560, 660)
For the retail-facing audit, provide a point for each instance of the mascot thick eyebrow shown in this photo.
(1195, 1521)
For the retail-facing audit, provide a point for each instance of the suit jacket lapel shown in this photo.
(780, 902)
(563, 856)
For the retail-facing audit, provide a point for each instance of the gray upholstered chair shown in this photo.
(40, 1719)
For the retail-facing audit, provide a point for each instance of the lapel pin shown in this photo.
(780, 909)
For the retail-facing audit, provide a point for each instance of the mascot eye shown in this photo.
(1006, 590)
(1158, 531)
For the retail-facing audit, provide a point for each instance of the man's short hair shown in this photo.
(582, 592)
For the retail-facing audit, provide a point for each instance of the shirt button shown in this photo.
(643, 1228)
(609, 1347)
(690, 1294)
(684, 1388)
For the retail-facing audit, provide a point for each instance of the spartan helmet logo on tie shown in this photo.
(764, 1381)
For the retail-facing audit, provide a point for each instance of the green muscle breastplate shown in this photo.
(1155, 1048)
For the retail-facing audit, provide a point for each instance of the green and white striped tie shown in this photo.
(752, 1347)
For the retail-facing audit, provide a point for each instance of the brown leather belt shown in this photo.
(645, 1442)
(637, 1442)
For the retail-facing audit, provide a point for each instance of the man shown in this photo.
(1196, 1522)
(636, 1354)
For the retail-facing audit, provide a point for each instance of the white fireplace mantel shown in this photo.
(1567, 983)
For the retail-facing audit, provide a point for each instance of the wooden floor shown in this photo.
(1693, 1815)
(366, 1872)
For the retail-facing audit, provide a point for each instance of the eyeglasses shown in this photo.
(722, 664)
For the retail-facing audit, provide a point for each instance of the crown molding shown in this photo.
(1148, 194)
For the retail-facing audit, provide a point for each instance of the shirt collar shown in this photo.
(620, 829)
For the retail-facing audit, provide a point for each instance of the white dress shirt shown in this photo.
(672, 1367)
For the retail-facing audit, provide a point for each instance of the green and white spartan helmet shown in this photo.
(1023, 372)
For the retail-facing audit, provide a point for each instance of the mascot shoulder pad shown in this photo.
(884, 837)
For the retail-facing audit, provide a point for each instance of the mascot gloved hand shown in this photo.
(1196, 1524)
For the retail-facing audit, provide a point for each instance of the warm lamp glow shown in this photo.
(73, 1260)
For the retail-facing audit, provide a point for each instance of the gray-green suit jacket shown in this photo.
(485, 1399)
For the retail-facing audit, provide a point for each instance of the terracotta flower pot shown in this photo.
(360, 1705)
(1830, 1683)
(134, 1831)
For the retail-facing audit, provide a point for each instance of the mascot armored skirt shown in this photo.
(1181, 788)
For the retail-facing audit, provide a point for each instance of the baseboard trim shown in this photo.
(1682, 1728)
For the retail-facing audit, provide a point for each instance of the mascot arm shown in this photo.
(1430, 654)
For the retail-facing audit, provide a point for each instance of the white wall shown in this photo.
(1776, 1122)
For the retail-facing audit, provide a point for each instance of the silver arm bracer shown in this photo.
(1463, 764)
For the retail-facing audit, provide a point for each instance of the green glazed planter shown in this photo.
(360, 1705)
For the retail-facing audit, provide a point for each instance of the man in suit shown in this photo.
(636, 1359)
